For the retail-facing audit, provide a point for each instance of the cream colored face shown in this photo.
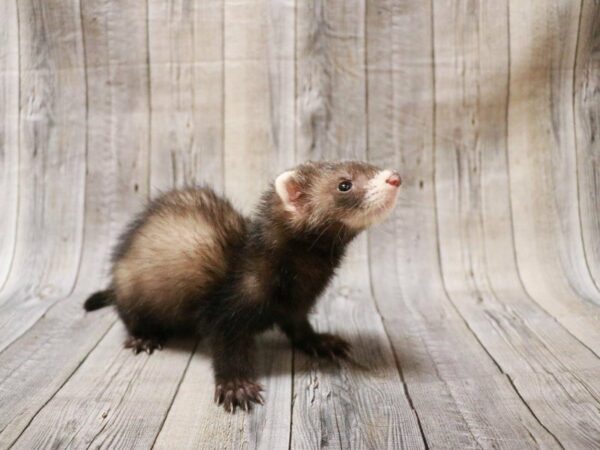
(378, 200)
(353, 193)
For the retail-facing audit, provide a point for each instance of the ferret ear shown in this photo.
(288, 189)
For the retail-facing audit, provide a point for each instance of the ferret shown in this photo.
(191, 264)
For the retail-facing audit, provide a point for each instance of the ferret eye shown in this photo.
(345, 186)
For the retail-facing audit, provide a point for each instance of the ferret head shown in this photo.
(352, 193)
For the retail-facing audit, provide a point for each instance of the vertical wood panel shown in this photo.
(469, 186)
(442, 362)
(587, 131)
(259, 96)
(118, 119)
(37, 365)
(471, 59)
(248, 140)
(331, 81)
(9, 134)
(542, 165)
(52, 156)
(186, 49)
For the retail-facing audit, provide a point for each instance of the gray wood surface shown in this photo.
(474, 311)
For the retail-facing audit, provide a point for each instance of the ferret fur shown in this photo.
(191, 264)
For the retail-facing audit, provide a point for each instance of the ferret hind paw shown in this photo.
(325, 345)
(138, 344)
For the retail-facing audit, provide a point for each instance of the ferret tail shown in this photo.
(99, 300)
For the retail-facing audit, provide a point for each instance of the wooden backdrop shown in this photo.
(474, 312)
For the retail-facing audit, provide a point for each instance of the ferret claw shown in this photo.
(238, 392)
(219, 394)
(327, 346)
(138, 345)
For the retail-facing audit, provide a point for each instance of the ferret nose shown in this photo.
(394, 179)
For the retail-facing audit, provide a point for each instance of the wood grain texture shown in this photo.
(49, 229)
(186, 75)
(587, 126)
(469, 188)
(194, 420)
(543, 175)
(473, 311)
(38, 364)
(356, 404)
(259, 96)
(443, 364)
(106, 404)
(9, 134)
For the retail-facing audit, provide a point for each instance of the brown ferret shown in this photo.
(190, 264)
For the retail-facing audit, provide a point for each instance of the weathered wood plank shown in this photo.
(9, 134)
(356, 404)
(475, 413)
(186, 50)
(571, 416)
(478, 268)
(543, 178)
(52, 155)
(114, 400)
(587, 130)
(330, 80)
(35, 366)
(117, 126)
(446, 370)
(194, 421)
(259, 96)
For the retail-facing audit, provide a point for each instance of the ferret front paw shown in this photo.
(238, 392)
(325, 345)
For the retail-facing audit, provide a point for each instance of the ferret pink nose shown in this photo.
(394, 180)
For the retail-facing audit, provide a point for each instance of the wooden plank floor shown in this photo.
(474, 311)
